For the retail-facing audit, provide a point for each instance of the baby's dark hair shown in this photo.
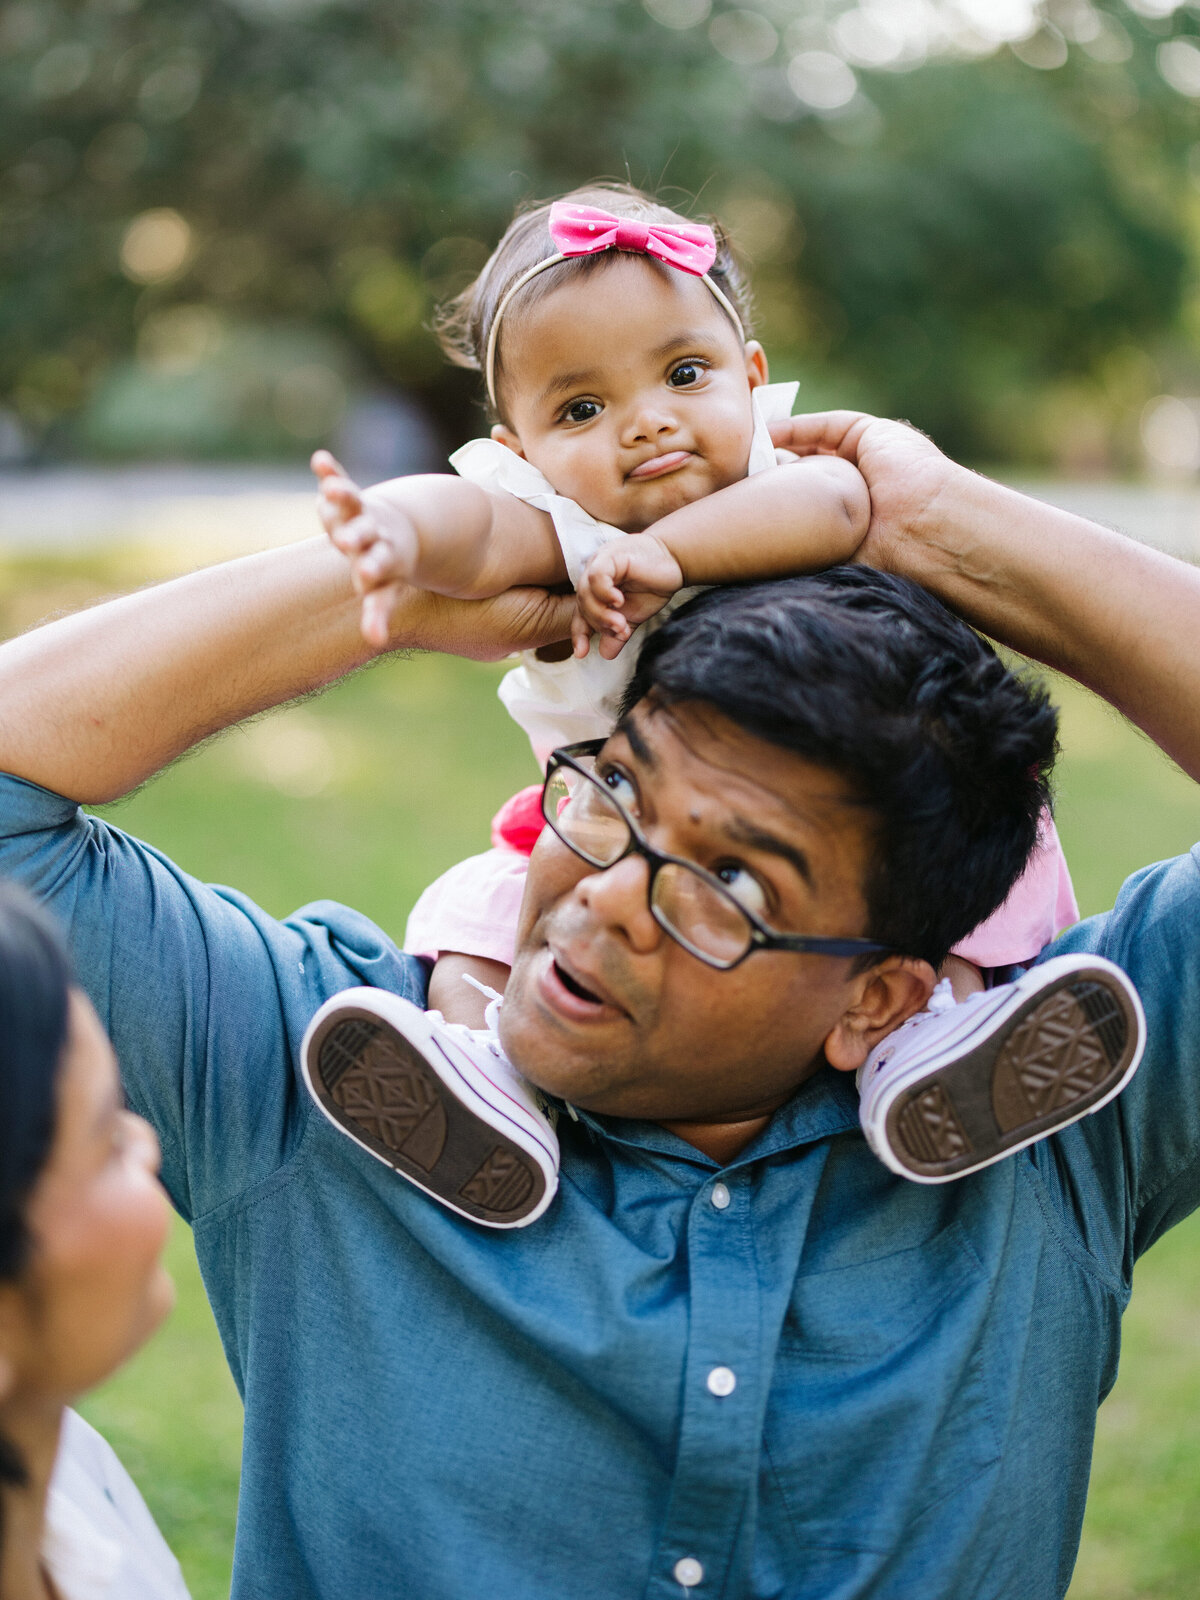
(464, 324)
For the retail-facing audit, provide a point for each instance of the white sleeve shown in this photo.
(494, 466)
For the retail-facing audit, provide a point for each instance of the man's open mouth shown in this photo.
(573, 986)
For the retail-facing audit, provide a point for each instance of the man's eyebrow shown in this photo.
(746, 832)
(628, 729)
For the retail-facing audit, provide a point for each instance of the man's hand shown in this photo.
(625, 582)
(905, 474)
(1089, 602)
(481, 630)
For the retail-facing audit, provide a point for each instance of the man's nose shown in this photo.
(619, 898)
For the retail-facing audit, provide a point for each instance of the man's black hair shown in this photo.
(871, 677)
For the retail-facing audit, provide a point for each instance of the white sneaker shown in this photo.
(436, 1101)
(957, 1088)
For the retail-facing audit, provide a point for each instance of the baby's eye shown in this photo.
(581, 411)
(685, 374)
(743, 886)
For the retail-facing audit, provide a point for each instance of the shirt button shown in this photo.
(689, 1572)
(720, 1196)
(721, 1382)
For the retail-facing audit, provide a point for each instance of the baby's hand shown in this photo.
(380, 557)
(625, 582)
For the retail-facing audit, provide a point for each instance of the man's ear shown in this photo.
(504, 435)
(890, 993)
(756, 366)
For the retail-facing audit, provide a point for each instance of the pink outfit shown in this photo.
(474, 908)
(1040, 905)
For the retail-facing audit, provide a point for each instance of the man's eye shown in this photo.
(686, 373)
(743, 886)
(582, 411)
(620, 787)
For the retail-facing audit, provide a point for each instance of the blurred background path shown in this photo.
(203, 512)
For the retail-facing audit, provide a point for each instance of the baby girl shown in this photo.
(631, 437)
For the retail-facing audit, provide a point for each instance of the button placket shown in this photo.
(720, 1439)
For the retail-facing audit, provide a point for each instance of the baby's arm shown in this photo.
(433, 532)
(780, 521)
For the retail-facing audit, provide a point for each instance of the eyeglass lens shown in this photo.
(588, 820)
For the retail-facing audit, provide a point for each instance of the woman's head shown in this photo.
(83, 1219)
(624, 380)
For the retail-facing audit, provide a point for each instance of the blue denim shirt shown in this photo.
(440, 1411)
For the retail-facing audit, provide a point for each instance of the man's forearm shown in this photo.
(1119, 617)
(93, 704)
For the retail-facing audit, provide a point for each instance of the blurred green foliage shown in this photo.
(999, 250)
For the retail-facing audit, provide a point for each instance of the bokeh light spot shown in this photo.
(156, 246)
(679, 13)
(821, 79)
(744, 37)
(1171, 433)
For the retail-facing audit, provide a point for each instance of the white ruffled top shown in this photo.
(562, 702)
(99, 1541)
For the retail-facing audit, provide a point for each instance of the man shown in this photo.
(737, 1357)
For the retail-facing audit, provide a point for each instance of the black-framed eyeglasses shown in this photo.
(694, 907)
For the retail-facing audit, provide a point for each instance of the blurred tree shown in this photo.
(956, 239)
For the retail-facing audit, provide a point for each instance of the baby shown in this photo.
(631, 436)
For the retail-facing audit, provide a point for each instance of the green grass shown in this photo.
(364, 796)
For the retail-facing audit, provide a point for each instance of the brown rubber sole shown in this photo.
(380, 1089)
(1063, 1052)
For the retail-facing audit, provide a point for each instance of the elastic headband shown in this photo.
(585, 231)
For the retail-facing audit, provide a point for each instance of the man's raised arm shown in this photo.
(1120, 618)
(93, 704)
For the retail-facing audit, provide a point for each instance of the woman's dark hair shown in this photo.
(35, 983)
(871, 677)
(464, 324)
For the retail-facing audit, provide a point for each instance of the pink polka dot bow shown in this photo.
(584, 230)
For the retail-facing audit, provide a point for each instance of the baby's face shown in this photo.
(629, 388)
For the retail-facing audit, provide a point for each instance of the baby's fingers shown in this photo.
(377, 610)
(353, 537)
(325, 464)
(379, 563)
(613, 640)
(581, 634)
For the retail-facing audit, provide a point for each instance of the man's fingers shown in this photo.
(820, 433)
(522, 619)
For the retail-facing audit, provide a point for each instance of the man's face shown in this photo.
(630, 390)
(607, 1011)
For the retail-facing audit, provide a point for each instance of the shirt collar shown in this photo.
(824, 1105)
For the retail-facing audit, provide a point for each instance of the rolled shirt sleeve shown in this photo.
(1132, 1170)
(204, 996)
